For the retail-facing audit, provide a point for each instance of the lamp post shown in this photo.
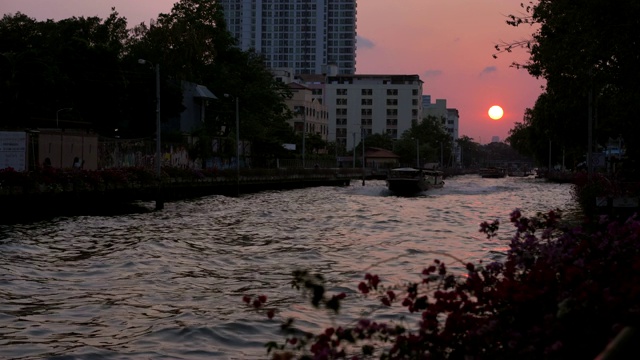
(238, 146)
(61, 136)
(363, 158)
(237, 100)
(304, 134)
(159, 201)
(354, 150)
(549, 158)
(418, 153)
(58, 112)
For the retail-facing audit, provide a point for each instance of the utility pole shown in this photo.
(304, 134)
(417, 153)
(237, 146)
(159, 199)
(354, 149)
(363, 158)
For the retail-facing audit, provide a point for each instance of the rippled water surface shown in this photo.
(168, 285)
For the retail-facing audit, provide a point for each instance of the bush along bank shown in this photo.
(558, 293)
(606, 195)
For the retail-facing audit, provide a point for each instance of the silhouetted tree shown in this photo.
(583, 50)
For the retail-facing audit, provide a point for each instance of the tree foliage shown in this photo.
(72, 63)
(471, 153)
(91, 65)
(584, 50)
(427, 139)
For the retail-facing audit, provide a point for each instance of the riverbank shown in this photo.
(38, 195)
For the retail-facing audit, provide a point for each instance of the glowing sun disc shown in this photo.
(495, 112)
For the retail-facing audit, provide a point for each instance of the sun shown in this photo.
(495, 112)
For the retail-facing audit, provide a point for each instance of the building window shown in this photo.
(392, 91)
(367, 102)
(367, 92)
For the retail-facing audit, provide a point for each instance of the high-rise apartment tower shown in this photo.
(303, 35)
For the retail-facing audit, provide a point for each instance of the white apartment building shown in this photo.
(450, 118)
(303, 35)
(310, 115)
(370, 104)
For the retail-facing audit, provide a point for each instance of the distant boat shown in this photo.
(435, 178)
(517, 173)
(408, 181)
(493, 172)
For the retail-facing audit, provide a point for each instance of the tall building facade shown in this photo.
(304, 35)
(448, 117)
(371, 104)
(311, 116)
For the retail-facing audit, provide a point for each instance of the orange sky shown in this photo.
(448, 43)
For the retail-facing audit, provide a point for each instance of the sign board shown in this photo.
(13, 150)
(289, 146)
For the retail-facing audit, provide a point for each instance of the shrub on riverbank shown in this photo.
(51, 179)
(600, 188)
(55, 180)
(558, 294)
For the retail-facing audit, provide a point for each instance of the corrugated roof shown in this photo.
(295, 85)
(312, 78)
(201, 91)
(374, 152)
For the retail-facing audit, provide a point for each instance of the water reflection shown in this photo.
(169, 284)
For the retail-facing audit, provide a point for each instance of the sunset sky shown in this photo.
(448, 43)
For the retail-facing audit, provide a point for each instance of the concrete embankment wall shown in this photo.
(21, 204)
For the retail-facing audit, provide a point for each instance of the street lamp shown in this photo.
(304, 134)
(237, 143)
(354, 149)
(159, 203)
(363, 158)
(418, 153)
(58, 112)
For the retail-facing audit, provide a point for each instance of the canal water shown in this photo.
(169, 284)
